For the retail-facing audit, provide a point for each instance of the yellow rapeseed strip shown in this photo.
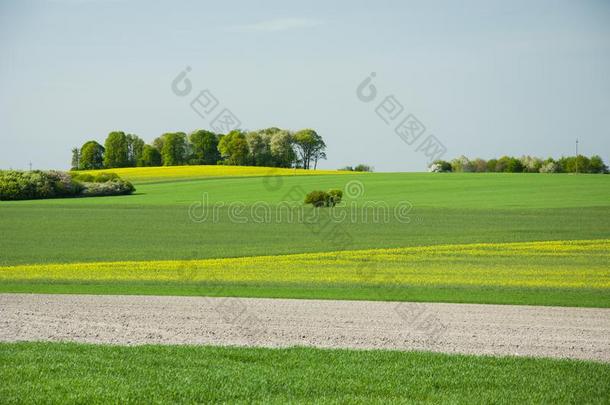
(555, 264)
(142, 174)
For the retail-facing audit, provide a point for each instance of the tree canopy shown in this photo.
(91, 156)
(116, 150)
(273, 147)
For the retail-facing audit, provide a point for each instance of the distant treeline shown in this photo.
(524, 164)
(273, 147)
(357, 168)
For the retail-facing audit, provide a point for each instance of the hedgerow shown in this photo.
(37, 184)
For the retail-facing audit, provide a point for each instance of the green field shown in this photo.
(529, 239)
(55, 372)
(445, 209)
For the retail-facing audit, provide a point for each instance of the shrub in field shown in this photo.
(83, 177)
(319, 198)
(63, 184)
(316, 198)
(334, 197)
(111, 187)
(20, 185)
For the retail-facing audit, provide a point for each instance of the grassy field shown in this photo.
(479, 238)
(55, 372)
(154, 224)
(164, 248)
(566, 273)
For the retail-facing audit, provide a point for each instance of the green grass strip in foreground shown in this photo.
(67, 372)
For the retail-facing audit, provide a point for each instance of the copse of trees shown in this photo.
(524, 164)
(272, 147)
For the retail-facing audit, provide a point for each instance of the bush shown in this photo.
(328, 198)
(363, 168)
(64, 184)
(84, 177)
(111, 187)
(18, 185)
(317, 198)
(439, 166)
(334, 197)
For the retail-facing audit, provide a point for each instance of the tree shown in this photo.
(75, 158)
(175, 149)
(204, 147)
(479, 165)
(91, 156)
(582, 164)
(550, 166)
(116, 150)
(135, 147)
(597, 165)
(259, 148)
(440, 166)
(531, 164)
(363, 168)
(158, 143)
(234, 148)
(514, 166)
(318, 155)
(310, 146)
(281, 148)
(462, 164)
(509, 164)
(150, 157)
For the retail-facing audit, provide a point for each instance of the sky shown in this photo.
(476, 78)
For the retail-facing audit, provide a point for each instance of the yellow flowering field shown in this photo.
(143, 174)
(555, 264)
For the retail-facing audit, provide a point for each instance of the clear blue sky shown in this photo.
(485, 77)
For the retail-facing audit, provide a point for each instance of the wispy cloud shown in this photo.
(278, 24)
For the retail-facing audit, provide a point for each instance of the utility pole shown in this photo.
(576, 160)
(30, 166)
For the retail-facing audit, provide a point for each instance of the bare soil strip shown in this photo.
(580, 333)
